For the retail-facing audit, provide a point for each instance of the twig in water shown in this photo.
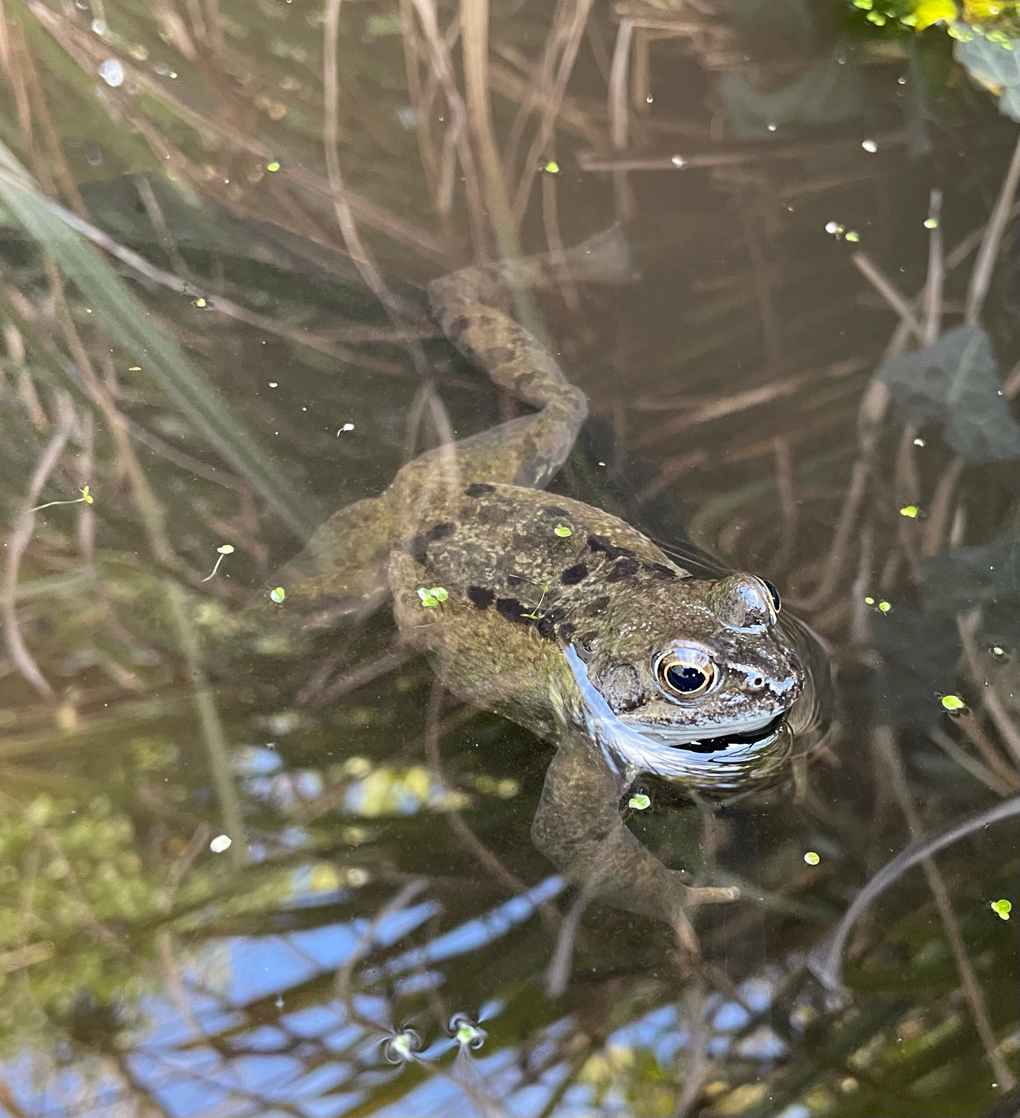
(984, 265)
(971, 764)
(551, 96)
(617, 108)
(557, 974)
(826, 961)
(936, 271)
(21, 533)
(886, 744)
(213, 736)
(885, 287)
(966, 624)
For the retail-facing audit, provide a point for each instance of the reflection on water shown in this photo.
(812, 378)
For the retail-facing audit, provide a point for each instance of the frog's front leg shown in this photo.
(578, 827)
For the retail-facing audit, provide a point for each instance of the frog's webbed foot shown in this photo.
(579, 828)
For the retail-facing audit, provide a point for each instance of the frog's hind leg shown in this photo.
(527, 451)
(340, 576)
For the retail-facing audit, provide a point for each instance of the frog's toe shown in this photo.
(704, 895)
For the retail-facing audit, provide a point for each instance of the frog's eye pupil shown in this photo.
(777, 603)
(684, 678)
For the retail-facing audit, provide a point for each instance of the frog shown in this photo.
(564, 618)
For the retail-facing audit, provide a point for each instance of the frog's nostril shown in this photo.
(756, 682)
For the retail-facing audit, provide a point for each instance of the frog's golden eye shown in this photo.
(684, 673)
(777, 603)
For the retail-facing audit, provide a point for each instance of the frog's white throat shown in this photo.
(758, 751)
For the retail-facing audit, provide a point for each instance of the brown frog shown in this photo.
(563, 618)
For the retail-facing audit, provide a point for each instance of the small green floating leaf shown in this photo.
(1001, 908)
(278, 594)
(869, 601)
(884, 606)
(639, 802)
(931, 223)
(953, 703)
(998, 650)
(226, 549)
(201, 303)
(551, 167)
(273, 166)
(909, 511)
(852, 237)
(562, 530)
(812, 858)
(86, 496)
(432, 596)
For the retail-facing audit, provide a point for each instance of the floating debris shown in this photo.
(953, 703)
(273, 166)
(639, 802)
(220, 843)
(562, 530)
(551, 167)
(1001, 908)
(401, 1046)
(909, 511)
(112, 72)
(869, 145)
(432, 596)
(466, 1033)
(278, 594)
(223, 549)
(86, 496)
(812, 858)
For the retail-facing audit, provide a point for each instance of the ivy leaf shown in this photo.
(956, 382)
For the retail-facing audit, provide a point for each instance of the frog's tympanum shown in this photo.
(566, 619)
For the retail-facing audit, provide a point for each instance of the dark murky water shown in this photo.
(380, 936)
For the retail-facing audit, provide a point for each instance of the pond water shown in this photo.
(243, 875)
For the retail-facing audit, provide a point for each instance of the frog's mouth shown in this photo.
(734, 758)
(722, 737)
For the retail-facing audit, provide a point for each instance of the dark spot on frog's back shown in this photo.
(623, 569)
(554, 510)
(599, 605)
(512, 610)
(573, 575)
(479, 489)
(611, 551)
(418, 545)
(481, 596)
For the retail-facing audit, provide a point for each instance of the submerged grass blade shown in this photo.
(132, 328)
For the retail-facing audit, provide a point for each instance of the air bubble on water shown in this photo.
(220, 843)
(112, 73)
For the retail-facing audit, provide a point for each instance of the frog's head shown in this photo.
(703, 666)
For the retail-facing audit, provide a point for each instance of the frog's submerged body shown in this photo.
(562, 617)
